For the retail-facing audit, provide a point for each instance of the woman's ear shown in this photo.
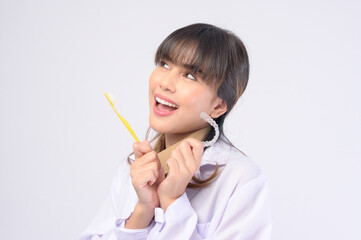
(219, 108)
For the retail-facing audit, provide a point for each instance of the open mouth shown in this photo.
(163, 107)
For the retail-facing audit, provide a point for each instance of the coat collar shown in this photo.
(164, 154)
(217, 153)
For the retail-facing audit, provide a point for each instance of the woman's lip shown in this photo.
(165, 98)
(161, 113)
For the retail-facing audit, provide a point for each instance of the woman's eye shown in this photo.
(163, 64)
(190, 76)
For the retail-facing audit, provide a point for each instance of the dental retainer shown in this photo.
(213, 123)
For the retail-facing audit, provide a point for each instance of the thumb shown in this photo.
(141, 148)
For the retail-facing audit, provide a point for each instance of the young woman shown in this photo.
(176, 188)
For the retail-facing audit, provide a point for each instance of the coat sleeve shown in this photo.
(105, 224)
(246, 216)
(179, 221)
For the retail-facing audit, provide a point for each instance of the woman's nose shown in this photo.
(167, 82)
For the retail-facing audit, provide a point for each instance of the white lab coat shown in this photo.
(235, 206)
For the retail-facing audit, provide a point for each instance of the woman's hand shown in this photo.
(185, 160)
(146, 173)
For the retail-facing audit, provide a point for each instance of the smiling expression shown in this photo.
(177, 97)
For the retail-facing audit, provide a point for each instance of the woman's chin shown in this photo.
(157, 126)
(162, 127)
(174, 127)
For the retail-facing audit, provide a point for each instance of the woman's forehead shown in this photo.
(184, 59)
(182, 64)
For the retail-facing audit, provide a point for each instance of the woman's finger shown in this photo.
(197, 150)
(182, 163)
(141, 148)
(143, 179)
(186, 151)
(173, 167)
(145, 159)
(177, 155)
(149, 166)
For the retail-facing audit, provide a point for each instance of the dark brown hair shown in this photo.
(221, 59)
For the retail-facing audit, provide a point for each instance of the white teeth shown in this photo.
(165, 102)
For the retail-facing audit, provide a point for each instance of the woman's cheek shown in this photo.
(199, 101)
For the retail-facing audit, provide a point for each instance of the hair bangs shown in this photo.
(200, 53)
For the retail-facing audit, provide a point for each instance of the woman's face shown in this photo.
(177, 98)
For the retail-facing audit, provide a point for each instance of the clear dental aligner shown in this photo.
(213, 123)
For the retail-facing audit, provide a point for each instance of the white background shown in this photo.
(60, 140)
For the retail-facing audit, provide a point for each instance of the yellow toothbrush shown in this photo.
(122, 119)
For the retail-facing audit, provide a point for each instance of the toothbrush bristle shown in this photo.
(111, 97)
